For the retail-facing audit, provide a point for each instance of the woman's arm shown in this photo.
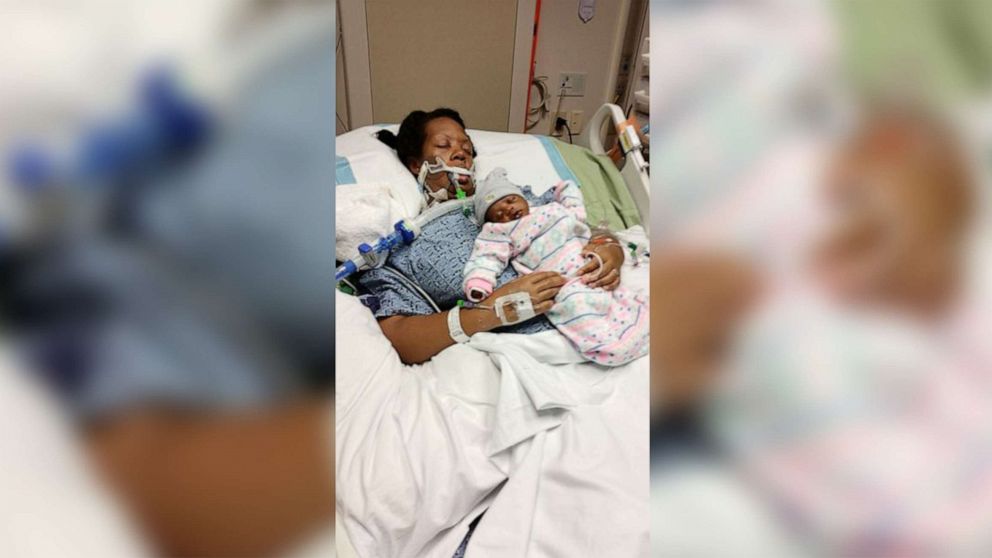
(418, 338)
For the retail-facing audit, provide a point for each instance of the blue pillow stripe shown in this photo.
(342, 172)
(561, 168)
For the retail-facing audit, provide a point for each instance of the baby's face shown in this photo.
(508, 208)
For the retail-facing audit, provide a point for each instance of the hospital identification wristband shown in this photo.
(455, 326)
(603, 239)
(600, 241)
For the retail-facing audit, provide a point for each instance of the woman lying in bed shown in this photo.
(436, 260)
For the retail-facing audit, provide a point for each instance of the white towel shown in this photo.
(362, 213)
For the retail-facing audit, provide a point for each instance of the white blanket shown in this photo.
(557, 453)
(578, 481)
(363, 213)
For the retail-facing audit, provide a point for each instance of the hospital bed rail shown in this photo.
(635, 168)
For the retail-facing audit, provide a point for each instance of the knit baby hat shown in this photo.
(495, 186)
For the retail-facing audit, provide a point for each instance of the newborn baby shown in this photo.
(609, 328)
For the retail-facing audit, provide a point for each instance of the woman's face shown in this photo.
(446, 139)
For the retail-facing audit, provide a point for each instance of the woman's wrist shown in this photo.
(603, 238)
(619, 248)
(476, 320)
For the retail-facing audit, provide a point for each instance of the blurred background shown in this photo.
(820, 282)
(166, 324)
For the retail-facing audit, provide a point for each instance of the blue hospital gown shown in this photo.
(435, 261)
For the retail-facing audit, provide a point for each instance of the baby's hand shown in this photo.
(477, 289)
(559, 188)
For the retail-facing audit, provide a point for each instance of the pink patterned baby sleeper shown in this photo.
(607, 327)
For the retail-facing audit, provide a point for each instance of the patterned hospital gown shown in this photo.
(607, 327)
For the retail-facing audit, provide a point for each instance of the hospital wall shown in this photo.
(566, 44)
(441, 55)
(342, 123)
(474, 57)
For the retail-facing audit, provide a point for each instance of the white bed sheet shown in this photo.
(413, 448)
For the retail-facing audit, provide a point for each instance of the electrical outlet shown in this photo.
(575, 121)
(572, 84)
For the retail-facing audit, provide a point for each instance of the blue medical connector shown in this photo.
(30, 166)
(164, 124)
(404, 232)
(371, 256)
(345, 269)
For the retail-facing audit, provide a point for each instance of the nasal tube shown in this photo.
(404, 232)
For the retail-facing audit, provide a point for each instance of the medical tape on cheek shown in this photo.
(422, 176)
(439, 167)
(428, 168)
(458, 170)
(455, 172)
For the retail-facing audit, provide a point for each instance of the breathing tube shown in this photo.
(453, 173)
(404, 232)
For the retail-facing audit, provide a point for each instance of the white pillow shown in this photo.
(362, 213)
(529, 160)
(362, 158)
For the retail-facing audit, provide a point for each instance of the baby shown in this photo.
(609, 328)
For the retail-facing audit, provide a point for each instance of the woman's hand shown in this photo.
(418, 338)
(542, 286)
(607, 277)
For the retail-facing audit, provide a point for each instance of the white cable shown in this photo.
(542, 108)
(602, 264)
(542, 89)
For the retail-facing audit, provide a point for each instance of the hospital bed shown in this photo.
(472, 377)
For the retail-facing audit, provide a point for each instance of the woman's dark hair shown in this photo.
(409, 143)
